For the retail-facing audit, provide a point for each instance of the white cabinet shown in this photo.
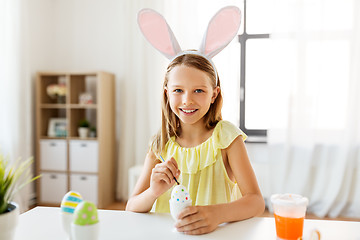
(84, 156)
(53, 186)
(53, 155)
(86, 185)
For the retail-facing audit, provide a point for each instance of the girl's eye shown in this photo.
(177, 90)
(199, 91)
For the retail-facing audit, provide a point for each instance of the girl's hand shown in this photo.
(162, 176)
(197, 220)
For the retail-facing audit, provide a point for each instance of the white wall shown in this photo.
(76, 35)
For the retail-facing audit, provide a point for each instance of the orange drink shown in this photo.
(289, 213)
(289, 228)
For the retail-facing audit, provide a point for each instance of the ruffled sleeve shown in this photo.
(225, 133)
(194, 159)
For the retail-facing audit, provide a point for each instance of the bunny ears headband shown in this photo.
(221, 30)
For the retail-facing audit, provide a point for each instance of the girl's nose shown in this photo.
(187, 100)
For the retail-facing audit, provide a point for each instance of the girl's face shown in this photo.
(190, 93)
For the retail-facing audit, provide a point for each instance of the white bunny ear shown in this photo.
(158, 33)
(221, 30)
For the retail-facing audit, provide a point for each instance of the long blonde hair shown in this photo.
(170, 125)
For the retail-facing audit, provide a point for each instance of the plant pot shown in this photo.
(8, 222)
(83, 132)
(93, 134)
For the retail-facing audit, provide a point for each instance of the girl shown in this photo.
(205, 153)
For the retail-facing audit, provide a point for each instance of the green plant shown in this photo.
(84, 123)
(93, 129)
(13, 177)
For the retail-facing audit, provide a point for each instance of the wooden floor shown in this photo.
(121, 206)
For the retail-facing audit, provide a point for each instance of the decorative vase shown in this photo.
(61, 99)
(8, 222)
(83, 132)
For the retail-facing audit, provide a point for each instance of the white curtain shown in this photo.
(314, 149)
(139, 116)
(16, 105)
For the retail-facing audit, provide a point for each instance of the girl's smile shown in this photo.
(188, 111)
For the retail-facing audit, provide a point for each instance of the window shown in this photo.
(252, 46)
(293, 53)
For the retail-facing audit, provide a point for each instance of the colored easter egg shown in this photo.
(85, 214)
(180, 194)
(70, 202)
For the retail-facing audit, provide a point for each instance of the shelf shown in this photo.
(55, 138)
(56, 74)
(97, 90)
(52, 106)
(69, 138)
(79, 138)
(83, 106)
(63, 106)
(52, 171)
(83, 173)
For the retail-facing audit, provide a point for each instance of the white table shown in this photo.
(44, 223)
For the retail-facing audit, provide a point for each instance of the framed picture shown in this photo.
(86, 98)
(57, 127)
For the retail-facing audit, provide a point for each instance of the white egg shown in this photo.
(180, 199)
(180, 194)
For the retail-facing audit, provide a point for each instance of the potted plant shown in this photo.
(93, 131)
(13, 177)
(83, 128)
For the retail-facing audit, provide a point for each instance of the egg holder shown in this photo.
(176, 208)
(79, 217)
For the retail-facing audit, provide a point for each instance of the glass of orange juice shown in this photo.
(289, 213)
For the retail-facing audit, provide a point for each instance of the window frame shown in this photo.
(258, 135)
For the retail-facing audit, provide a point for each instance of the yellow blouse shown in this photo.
(202, 168)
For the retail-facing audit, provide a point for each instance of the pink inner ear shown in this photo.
(222, 29)
(156, 31)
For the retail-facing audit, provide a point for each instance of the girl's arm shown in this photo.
(155, 179)
(204, 219)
